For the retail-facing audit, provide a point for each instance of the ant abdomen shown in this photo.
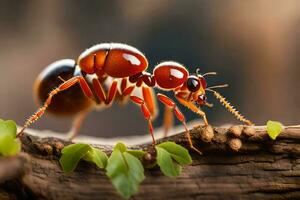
(68, 102)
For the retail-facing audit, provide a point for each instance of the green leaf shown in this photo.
(166, 163)
(8, 127)
(71, 155)
(274, 128)
(121, 147)
(170, 156)
(137, 153)
(178, 153)
(97, 156)
(125, 171)
(9, 146)
(136, 169)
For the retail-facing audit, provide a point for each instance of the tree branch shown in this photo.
(239, 162)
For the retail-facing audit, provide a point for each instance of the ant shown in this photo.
(112, 71)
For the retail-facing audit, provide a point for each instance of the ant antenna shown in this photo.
(210, 73)
(229, 107)
(218, 86)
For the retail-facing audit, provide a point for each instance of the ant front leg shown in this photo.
(171, 104)
(193, 108)
(64, 86)
(146, 113)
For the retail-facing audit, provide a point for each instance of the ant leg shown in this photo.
(171, 104)
(111, 92)
(123, 84)
(168, 120)
(128, 90)
(77, 122)
(146, 113)
(149, 97)
(125, 91)
(193, 108)
(64, 86)
(100, 91)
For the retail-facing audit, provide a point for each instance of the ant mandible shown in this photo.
(112, 71)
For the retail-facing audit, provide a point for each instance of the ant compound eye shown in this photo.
(193, 84)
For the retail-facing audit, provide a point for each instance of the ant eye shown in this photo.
(193, 84)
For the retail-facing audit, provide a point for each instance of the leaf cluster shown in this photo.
(124, 167)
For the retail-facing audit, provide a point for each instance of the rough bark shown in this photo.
(237, 163)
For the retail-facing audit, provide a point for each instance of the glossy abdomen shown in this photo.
(68, 102)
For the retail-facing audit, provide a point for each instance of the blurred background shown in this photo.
(253, 45)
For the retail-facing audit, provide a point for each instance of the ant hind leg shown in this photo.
(64, 86)
(77, 123)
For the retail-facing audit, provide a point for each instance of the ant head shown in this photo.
(197, 84)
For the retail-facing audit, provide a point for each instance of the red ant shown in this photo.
(111, 71)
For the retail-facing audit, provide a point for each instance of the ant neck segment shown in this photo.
(143, 77)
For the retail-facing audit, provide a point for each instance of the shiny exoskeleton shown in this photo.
(113, 71)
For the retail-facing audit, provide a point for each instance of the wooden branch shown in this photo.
(238, 163)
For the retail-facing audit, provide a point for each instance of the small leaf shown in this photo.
(71, 155)
(9, 146)
(97, 156)
(137, 153)
(166, 163)
(121, 147)
(274, 128)
(178, 153)
(170, 156)
(8, 127)
(136, 169)
(125, 171)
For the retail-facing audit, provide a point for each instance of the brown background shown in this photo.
(253, 45)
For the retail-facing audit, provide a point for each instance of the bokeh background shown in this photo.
(253, 45)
